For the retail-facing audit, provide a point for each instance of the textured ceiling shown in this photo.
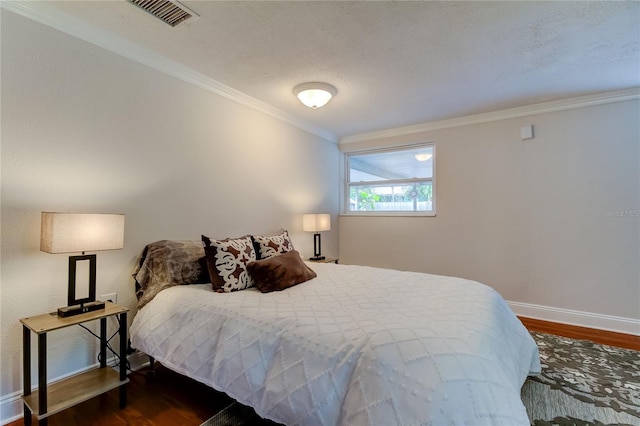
(393, 63)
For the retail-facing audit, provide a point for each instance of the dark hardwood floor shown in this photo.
(167, 400)
(171, 399)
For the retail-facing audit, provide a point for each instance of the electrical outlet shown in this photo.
(110, 297)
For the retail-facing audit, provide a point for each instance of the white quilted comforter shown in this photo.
(354, 346)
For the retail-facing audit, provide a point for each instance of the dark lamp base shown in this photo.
(317, 258)
(69, 311)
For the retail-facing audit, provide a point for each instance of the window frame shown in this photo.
(347, 184)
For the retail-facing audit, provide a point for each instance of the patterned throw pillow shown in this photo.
(272, 245)
(227, 262)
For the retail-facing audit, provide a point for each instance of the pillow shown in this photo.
(227, 262)
(279, 272)
(272, 245)
(167, 263)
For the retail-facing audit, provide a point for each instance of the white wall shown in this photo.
(85, 130)
(549, 222)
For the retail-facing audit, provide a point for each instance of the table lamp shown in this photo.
(316, 223)
(80, 232)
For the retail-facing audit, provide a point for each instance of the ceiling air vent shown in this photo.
(168, 11)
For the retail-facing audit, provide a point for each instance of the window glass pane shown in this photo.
(415, 196)
(392, 165)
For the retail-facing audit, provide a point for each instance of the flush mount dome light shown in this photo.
(423, 157)
(314, 95)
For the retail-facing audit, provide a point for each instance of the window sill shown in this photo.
(390, 214)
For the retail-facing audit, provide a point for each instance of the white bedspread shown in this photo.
(354, 346)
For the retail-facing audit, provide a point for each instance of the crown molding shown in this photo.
(540, 108)
(49, 16)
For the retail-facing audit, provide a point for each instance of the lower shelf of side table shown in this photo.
(74, 390)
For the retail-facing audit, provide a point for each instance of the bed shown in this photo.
(354, 345)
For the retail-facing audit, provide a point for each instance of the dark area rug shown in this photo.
(582, 384)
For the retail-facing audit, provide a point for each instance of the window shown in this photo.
(393, 181)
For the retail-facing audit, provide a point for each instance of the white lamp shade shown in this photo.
(79, 232)
(316, 222)
(315, 95)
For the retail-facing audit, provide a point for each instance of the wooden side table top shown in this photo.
(51, 321)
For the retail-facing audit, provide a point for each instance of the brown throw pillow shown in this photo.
(279, 272)
(227, 262)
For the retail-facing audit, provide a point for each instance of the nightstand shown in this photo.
(326, 260)
(48, 400)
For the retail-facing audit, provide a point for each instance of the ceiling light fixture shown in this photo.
(314, 95)
(423, 157)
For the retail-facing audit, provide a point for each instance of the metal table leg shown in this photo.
(26, 371)
(42, 377)
(123, 358)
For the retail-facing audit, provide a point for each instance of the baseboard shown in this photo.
(11, 404)
(578, 318)
(11, 408)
